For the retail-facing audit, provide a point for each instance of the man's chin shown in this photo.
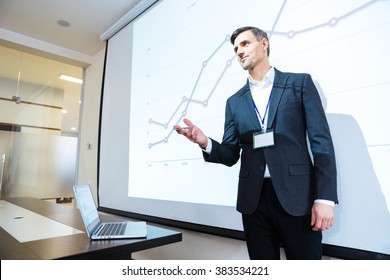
(244, 65)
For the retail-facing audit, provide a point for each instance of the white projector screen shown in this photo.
(175, 61)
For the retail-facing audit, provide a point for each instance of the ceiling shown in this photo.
(87, 19)
(39, 19)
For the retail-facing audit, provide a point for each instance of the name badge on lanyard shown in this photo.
(263, 139)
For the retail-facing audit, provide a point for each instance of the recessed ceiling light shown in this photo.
(63, 23)
(71, 79)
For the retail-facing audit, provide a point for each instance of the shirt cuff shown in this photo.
(208, 147)
(324, 201)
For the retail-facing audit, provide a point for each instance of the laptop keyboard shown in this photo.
(112, 229)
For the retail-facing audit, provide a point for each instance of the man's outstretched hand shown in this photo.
(192, 133)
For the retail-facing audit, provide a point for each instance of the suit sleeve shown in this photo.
(321, 144)
(227, 152)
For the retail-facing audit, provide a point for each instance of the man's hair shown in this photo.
(259, 34)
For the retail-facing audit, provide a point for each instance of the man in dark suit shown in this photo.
(286, 194)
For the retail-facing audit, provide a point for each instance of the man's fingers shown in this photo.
(322, 217)
(188, 122)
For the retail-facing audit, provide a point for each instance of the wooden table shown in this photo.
(76, 246)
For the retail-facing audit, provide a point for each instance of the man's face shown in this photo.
(250, 52)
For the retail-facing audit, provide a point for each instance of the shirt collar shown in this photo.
(267, 79)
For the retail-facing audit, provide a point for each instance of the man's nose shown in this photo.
(240, 52)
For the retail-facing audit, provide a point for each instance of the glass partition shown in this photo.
(39, 118)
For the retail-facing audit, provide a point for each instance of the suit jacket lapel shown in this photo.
(277, 91)
(248, 101)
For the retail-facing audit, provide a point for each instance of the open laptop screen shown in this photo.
(87, 207)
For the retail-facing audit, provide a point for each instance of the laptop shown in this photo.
(98, 230)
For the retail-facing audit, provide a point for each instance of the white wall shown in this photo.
(89, 124)
(197, 246)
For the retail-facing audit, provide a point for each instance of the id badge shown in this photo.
(263, 139)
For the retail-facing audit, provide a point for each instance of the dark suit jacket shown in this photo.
(295, 115)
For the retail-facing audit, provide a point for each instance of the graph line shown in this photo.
(190, 100)
(331, 22)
